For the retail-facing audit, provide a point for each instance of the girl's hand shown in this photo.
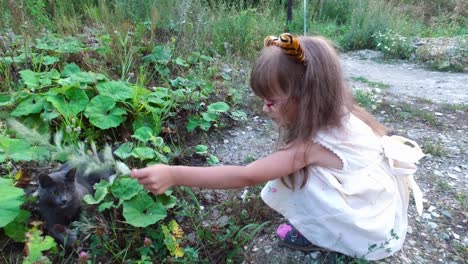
(157, 178)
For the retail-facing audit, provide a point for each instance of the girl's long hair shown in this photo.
(318, 95)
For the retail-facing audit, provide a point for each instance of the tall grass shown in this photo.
(228, 27)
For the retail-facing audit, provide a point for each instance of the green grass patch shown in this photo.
(405, 111)
(455, 107)
(461, 198)
(372, 84)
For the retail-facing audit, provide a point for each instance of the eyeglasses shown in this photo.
(270, 104)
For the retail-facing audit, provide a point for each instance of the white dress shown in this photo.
(361, 209)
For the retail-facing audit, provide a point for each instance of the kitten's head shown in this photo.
(57, 188)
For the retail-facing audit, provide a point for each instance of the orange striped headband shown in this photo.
(289, 44)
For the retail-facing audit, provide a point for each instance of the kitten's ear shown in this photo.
(45, 180)
(70, 176)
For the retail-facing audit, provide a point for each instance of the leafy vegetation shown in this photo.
(153, 78)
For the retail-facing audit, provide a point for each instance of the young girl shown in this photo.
(341, 183)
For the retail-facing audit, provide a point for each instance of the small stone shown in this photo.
(435, 214)
(223, 220)
(438, 114)
(426, 216)
(446, 213)
(465, 241)
(457, 169)
(431, 208)
(420, 260)
(255, 249)
(453, 176)
(438, 173)
(444, 236)
(314, 254)
(268, 249)
(226, 141)
(191, 237)
(455, 235)
(432, 225)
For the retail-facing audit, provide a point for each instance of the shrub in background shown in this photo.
(393, 45)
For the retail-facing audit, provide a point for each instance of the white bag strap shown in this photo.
(402, 154)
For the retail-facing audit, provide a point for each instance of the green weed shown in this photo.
(461, 198)
(442, 186)
(365, 99)
(460, 248)
(434, 148)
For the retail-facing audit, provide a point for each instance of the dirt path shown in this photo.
(417, 103)
(408, 79)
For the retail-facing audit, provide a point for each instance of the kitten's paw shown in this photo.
(70, 239)
(64, 235)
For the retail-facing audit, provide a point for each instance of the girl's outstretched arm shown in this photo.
(158, 178)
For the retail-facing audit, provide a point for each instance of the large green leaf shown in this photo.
(143, 134)
(10, 201)
(124, 151)
(218, 107)
(35, 245)
(30, 78)
(20, 59)
(31, 105)
(70, 69)
(142, 211)
(126, 188)
(74, 76)
(15, 149)
(102, 112)
(98, 197)
(59, 45)
(5, 99)
(210, 116)
(71, 103)
(102, 189)
(17, 229)
(45, 60)
(167, 200)
(192, 123)
(35, 80)
(143, 153)
(36, 153)
(160, 55)
(35, 122)
(119, 91)
(49, 113)
(19, 150)
(201, 149)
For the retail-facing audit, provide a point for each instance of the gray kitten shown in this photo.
(60, 195)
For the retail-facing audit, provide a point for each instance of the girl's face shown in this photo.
(275, 108)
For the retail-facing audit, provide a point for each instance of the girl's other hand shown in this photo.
(157, 178)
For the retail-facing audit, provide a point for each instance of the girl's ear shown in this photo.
(45, 180)
(70, 176)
